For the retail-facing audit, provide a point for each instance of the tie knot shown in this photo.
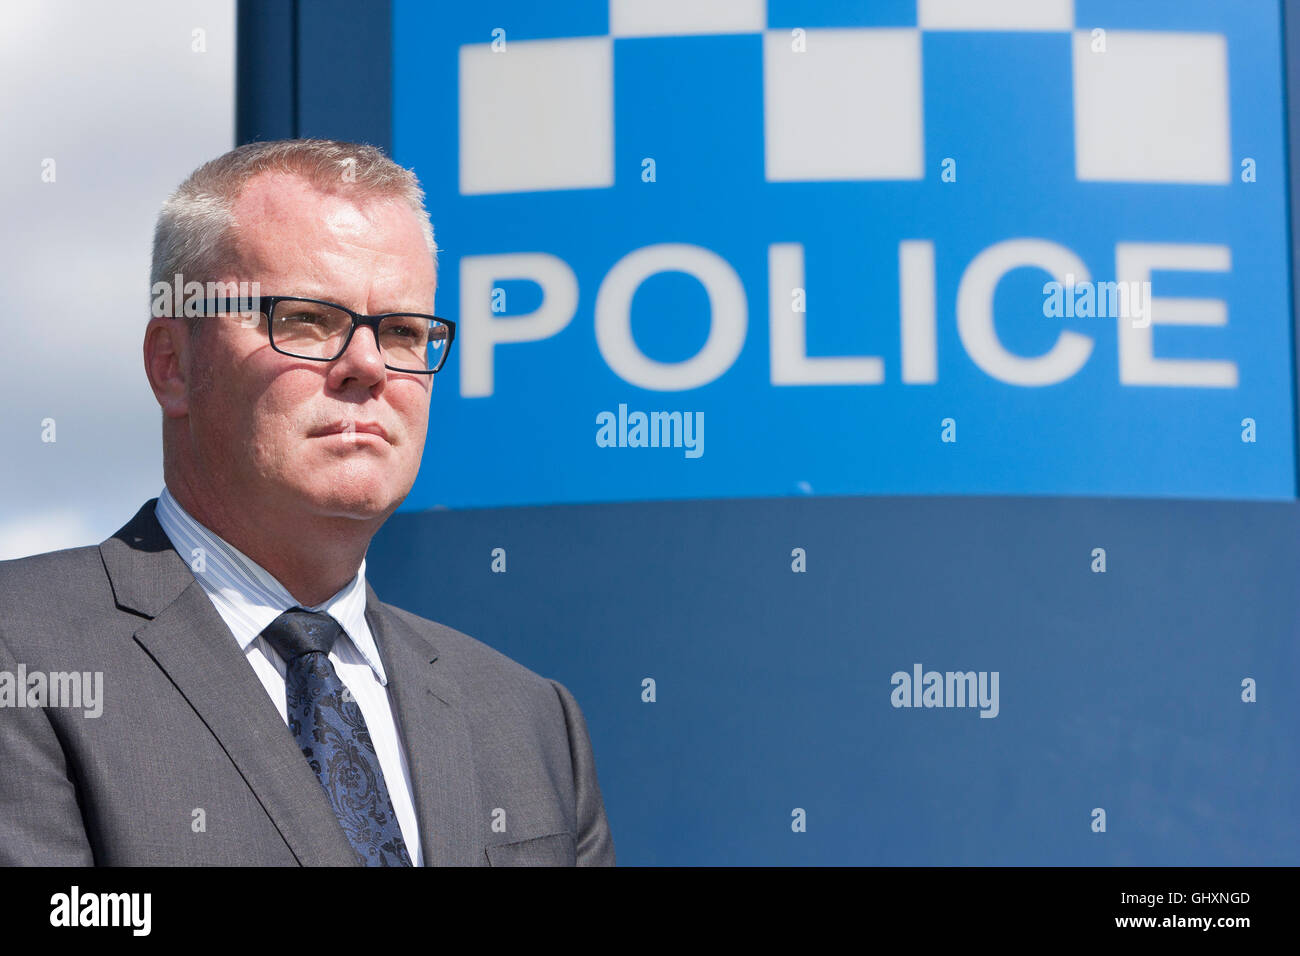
(298, 631)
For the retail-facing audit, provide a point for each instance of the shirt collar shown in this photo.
(224, 570)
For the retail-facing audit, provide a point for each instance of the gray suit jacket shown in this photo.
(190, 763)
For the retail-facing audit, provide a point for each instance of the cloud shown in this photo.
(126, 108)
(48, 531)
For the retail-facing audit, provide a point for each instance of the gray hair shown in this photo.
(196, 227)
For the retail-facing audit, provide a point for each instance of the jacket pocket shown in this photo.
(554, 849)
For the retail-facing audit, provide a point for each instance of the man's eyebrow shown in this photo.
(419, 309)
(304, 292)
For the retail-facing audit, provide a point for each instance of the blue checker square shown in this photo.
(789, 14)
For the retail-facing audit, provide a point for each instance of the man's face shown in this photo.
(292, 434)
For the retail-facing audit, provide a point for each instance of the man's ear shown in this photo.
(167, 357)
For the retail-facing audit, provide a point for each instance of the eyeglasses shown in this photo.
(321, 331)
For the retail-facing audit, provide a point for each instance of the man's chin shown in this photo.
(356, 504)
(359, 510)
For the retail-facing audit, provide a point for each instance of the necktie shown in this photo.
(328, 726)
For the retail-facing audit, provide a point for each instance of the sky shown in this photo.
(118, 96)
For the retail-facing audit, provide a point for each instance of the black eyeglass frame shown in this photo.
(265, 304)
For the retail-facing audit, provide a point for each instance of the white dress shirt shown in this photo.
(248, 599)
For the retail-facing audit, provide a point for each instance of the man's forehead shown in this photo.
(358, 223)
(278, 195)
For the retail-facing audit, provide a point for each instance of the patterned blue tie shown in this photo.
(327, 723)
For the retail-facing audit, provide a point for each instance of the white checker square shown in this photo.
(995, 14)
(1152, 108)
(847, 108)
(659, 18)
(537, 116)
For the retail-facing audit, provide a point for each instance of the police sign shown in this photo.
(928, 247)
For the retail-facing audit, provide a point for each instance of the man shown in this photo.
(260, 705)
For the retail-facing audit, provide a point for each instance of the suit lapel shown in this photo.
(190, 642)
(431, 722)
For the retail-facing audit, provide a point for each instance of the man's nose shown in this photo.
(362, 359)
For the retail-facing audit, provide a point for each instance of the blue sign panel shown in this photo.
(714, 249)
